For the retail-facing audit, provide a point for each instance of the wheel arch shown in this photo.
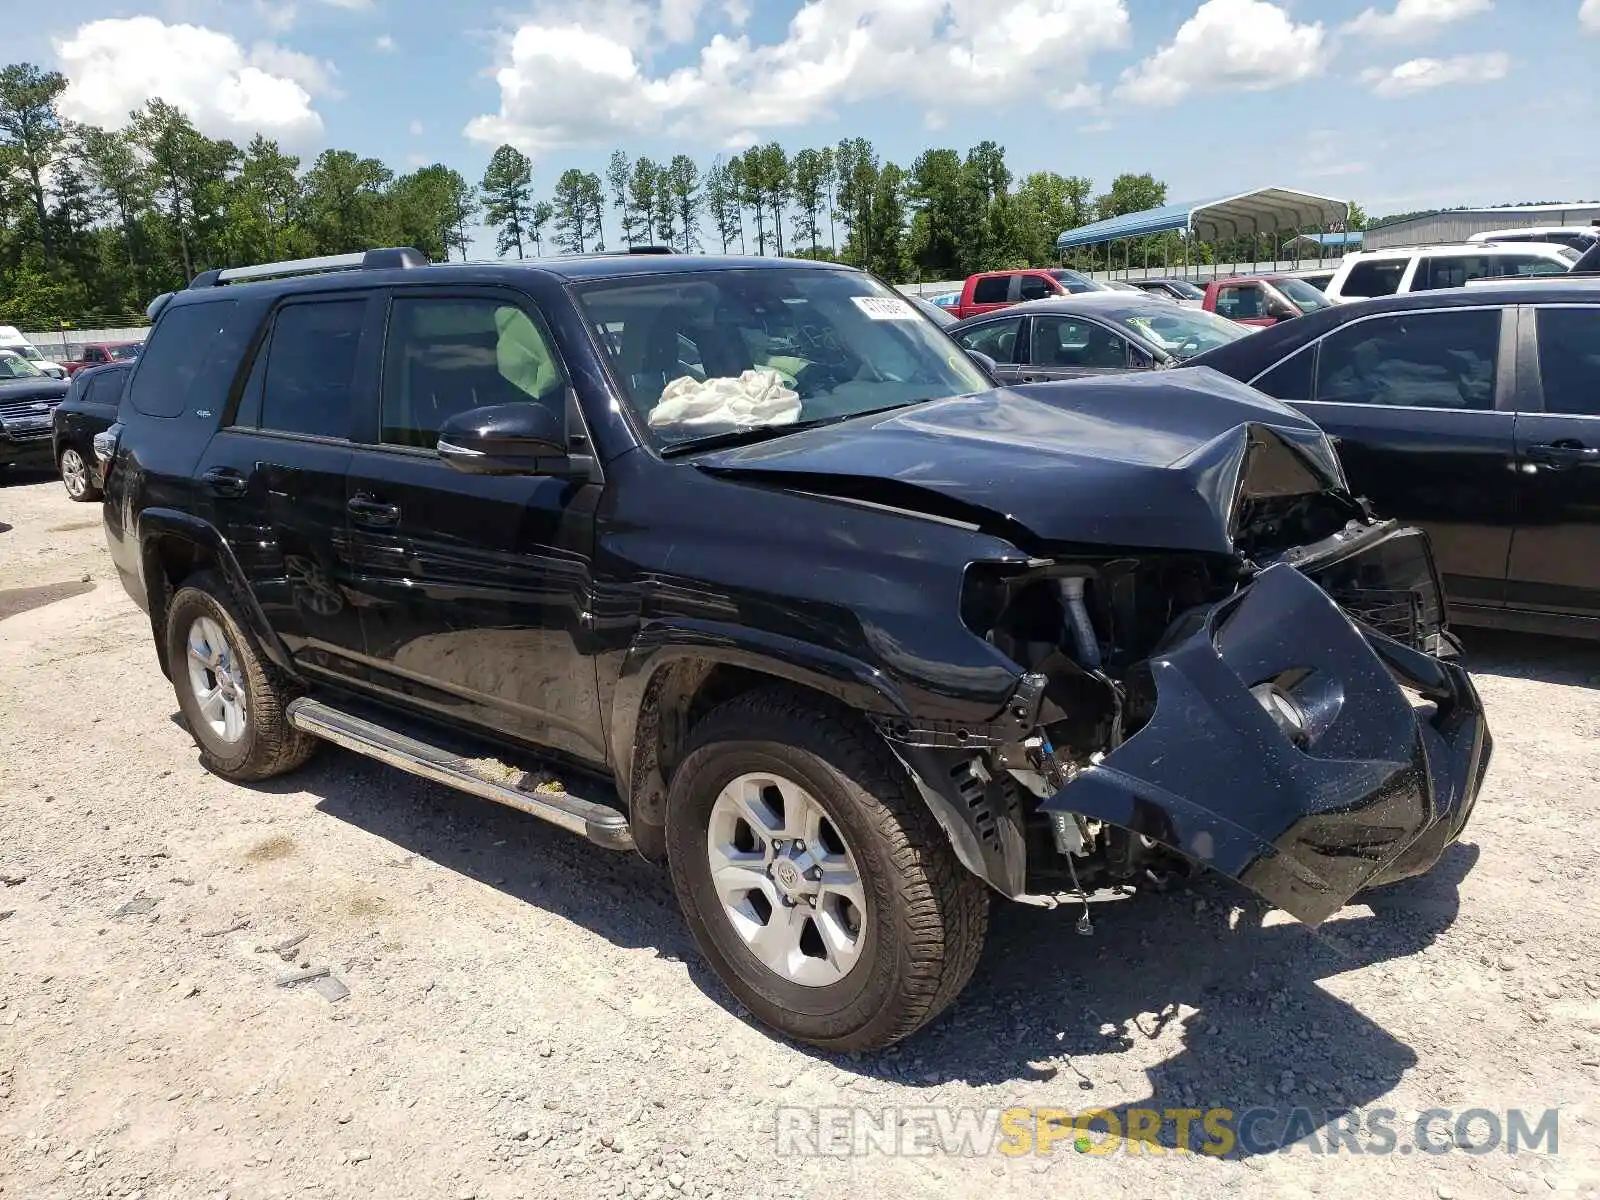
(173, 546)
(673, 676)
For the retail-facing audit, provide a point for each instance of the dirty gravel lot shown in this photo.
(527, 1016)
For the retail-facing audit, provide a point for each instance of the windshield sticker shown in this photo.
(885, 308)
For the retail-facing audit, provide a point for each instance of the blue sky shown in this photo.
(1397, 104)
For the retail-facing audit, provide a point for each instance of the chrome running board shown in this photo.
(600, 823)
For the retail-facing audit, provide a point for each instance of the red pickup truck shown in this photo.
(1262, 299)
(98, 354)
(997, 289)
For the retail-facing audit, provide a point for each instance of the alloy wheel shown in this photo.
(217, 680)
(788, 883)
(74, 473)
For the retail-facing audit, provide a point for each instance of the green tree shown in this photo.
(885, 241)
(576, 208)
(346, 207)
(265, 204)
(122, 188)
(190, 174)
(538, 220)
(619, 174)
(856, 163)
(642, 186)
(723, 205)
(776, 183)
(666, 213)
(933, 191)
(684, 185)
(810, 196)
(508, 198)
(751, 177)
(1131, 193)
(31, 134)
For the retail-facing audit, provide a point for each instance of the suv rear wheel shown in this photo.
(814, 878)
(232, 698)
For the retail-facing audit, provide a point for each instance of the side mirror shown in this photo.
(509, 439)
(1279, 311)
(988, 364)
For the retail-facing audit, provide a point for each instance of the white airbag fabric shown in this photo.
(757, 397)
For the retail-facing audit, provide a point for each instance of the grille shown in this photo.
(1411, 616)
(16, 409)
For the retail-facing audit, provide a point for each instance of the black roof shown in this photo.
(1278, 341)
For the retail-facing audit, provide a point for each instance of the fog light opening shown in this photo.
(1287, 715)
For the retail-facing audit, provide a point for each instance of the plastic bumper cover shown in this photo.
(1377, 780)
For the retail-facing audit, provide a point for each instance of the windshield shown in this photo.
(1302, 295)
(706, 353)
(1185, 332)
(131, 350)
(1186, 289)
(1567, 253)
(14, 366)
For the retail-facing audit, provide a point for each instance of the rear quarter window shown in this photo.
(1379, 277)
(992, 289)
(190, 356)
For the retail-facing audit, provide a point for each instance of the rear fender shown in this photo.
(159, 526)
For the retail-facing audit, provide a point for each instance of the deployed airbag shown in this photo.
(757, 397)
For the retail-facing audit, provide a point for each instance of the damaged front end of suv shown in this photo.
(1222, 660)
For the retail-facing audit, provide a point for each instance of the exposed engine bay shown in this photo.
(1086, 631)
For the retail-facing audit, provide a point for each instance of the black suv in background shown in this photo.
(744, 564)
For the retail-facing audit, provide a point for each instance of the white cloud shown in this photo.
(278, 15)
(580, 76)
(1420, 74)
(350, 5)
(1412, 19)
(416, 128)
(678, 19)
(383, 43)
(1589, 15)
(1227, 44)
(115, 66)
(738, 12)
(1079, 95)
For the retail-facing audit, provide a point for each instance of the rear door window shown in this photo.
(1374, 277)
(1450, 271)
(1569, 359)
(991, 289)
(1439, 359)
(1529, 264)
(997, 339)
(311, 368)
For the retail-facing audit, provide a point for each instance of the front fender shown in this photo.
(156, 526)
(664, 644)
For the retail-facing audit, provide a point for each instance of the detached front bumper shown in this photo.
(1371, 782)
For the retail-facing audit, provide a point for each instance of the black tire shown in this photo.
(927, 914)
(269, 745)
(89, 492)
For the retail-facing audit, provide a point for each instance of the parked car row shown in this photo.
(28, 396)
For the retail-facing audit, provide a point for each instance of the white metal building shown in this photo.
(1462, 223)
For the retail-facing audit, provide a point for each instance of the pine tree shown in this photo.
(508, 198)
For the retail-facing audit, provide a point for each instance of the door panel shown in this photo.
(279, 502)
(1555, 556)
(475, 591)
(274, 482)
(1411, 400)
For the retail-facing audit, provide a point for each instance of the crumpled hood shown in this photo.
(1148, 460)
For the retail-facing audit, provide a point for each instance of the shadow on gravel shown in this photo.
(1570, 661)
(1256, 1029)
(20, 600)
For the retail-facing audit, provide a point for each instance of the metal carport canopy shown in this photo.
(1266, 210)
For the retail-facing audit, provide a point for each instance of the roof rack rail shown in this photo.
(387, 258)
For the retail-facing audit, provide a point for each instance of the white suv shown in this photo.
(1368, 273)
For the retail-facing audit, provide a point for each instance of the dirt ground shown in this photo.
(527, 1017)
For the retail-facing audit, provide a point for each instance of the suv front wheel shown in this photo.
(232, 698)
(814, 878)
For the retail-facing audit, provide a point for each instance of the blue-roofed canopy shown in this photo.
(1267, 210)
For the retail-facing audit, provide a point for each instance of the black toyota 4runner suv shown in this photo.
(745, 565)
